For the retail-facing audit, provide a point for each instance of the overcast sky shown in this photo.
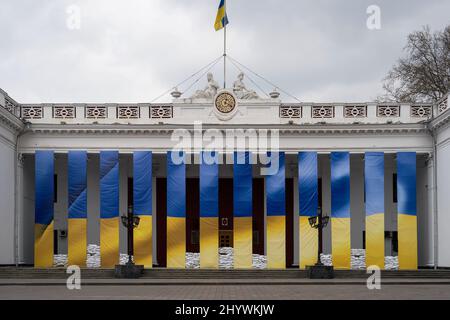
(132, 51)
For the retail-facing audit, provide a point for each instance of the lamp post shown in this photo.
(319, 222)
(319, 271)
(129, 270)
(130, 222)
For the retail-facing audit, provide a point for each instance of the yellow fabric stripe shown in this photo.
(375, 240)
(109, 242)
(176, 243)
(220, 15)
(307, 243)
(43, 245)
(209, 243)
(407, 242)
(143, 242)
(276, 237)
(340, 242)
(77, 242)
(242, 239)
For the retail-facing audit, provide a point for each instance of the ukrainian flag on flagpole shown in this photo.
(221, 18)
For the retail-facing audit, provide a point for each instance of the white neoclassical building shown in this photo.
(323, 128)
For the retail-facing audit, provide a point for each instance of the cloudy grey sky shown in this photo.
(132, 51)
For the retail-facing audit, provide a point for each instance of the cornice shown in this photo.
(10, 121)
(440, 120)
(285, 129)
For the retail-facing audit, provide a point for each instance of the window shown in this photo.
(55, 188)
(255, 237)
(194, 237)
(130, 193)
(394, 188)
(55, 242)
(319, 192)
(225, 240)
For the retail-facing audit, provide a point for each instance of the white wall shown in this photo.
(7, 186)
(26, 216)
(443, 189)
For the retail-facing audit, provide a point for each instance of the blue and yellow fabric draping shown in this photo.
(308, 205)
(407, 211)
(242, 210)
(276, 214)
(374, 191)
(176, 210)
(340, 209)
(44, 196)
(209, 210)
(142, 207)
(221, 17)
(77, 205)
(109, 208)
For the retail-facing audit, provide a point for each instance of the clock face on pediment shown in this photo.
(225, 102)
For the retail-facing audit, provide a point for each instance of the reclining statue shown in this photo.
(241, 91)
(210, 90)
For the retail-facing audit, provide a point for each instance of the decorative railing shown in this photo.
(96, 111)
(358, 112)
(443, 105)
(12, 106)
(268, 113)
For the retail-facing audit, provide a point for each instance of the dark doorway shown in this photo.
(289, 222)
(161, 221)
(258, 216)
(192, 215)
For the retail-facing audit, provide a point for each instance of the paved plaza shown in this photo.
(228, 292)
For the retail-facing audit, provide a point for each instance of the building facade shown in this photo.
(355, 131)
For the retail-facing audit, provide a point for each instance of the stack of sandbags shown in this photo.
(192, 260)
(93, 256)
(358, 259)
(325, 259)
(123, 259)
(60, 260)
(226, 258)
(259, 261)
(390, 263)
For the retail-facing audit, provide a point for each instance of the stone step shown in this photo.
(58, 273)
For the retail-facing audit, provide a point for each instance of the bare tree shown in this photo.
(423, 75)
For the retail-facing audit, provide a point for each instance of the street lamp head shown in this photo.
(325, 221)
(124, 220)
(136, 221)
(313, 221)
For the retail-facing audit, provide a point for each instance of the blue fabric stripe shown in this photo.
(275, 185)
(142, 183)
(225, 20)
(307, 184)
(109, 184)
(340, 185)
(242, 185)
(209, 187)
(44, 186)
(406, 183)
(77, 182)
(374, 182)
(176, 187)
(222, 3)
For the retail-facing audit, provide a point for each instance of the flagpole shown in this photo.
(225, 50)
(225, 57)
